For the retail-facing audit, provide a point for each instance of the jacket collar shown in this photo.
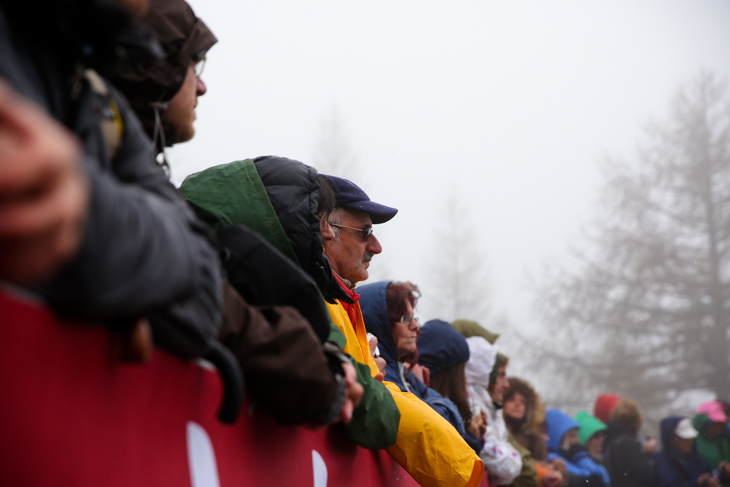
(349, 307)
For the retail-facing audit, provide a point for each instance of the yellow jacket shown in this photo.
(427, 446)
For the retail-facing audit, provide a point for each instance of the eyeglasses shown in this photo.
(199, 67)
(407, 320)
(366, 232)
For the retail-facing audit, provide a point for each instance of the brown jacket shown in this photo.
(284, 365)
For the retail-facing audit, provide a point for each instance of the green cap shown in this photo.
(470, 328)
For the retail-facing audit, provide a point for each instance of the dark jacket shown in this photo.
(143, 252)
(375, 313)
(627, 465)
(671, 467)
(277, 199)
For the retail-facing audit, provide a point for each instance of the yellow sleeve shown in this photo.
(429, 448)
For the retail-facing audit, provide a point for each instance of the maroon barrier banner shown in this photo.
(73, 413)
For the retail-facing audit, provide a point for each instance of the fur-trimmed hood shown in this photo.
(534, 420)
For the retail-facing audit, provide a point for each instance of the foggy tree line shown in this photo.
(642, 311)
(645, 312)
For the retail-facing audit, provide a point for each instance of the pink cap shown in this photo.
(714, 411)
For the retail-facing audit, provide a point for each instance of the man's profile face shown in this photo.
(180, 113)
(348, 253)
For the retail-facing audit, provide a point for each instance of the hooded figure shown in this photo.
(713, 443)
(278, 199)
(577, 460)
(592, 434)
(500, 458)
(150, 87)
(375, 313)
(529, 430)
(143, 253)
(678, 464)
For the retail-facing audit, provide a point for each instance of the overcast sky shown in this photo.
(510, 103)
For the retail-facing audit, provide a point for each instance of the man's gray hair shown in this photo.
(336, 217)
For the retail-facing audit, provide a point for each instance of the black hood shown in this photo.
(293, 189)
(98, 33)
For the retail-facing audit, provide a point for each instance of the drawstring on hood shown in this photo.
(159, 133)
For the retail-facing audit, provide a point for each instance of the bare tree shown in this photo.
(458, 278)
(333, 153)
(645, 312)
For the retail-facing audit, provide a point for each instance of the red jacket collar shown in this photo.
(350, 308)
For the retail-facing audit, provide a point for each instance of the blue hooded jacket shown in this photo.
(671, 467)
(577, 460)
(375, 314)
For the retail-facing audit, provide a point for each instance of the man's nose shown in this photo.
(373, 245)
(200, 87)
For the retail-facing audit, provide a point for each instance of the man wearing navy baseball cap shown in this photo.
(352, 222)
(427, 446)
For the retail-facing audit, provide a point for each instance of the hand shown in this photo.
(422, 373)
(353, 395)
(44, 193)
(373, 343)
(649, 445)
(553, 478)
(478, 425)
(380, 362)
(707, 480)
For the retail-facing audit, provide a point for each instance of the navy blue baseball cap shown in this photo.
(349, 195)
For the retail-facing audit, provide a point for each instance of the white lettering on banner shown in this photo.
(320, 469)
(201, 457)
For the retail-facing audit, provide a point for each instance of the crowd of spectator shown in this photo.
(265, 256)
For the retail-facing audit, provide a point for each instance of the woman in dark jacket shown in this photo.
(387, 309)
(629, 461)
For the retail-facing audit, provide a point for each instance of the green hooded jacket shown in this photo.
(284, 211)
(712, 451)
(589, 425)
